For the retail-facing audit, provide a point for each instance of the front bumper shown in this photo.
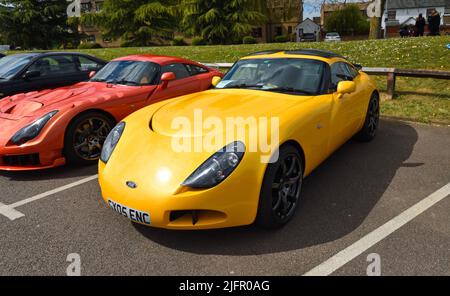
(232, 203)
(29, 157)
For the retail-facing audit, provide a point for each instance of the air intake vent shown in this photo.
(22, 160)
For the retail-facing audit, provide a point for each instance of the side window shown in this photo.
(55, 65)
(86, 64)
(342, 72)
(66, 65)
(195, 70)
(352, 72)
(179, 70)
(338, 73)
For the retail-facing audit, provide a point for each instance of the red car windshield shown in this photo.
(132, 73)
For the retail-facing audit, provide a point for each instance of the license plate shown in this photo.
(132, 214)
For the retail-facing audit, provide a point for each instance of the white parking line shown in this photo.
(356, 249)
(11, 213)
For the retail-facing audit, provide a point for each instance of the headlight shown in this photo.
(218, 167)
(111, 142)
(32, 131)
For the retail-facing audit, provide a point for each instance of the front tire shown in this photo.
(369, 130)
(85, 137)
(281, 188)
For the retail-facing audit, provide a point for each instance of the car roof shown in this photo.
(162, 60)
(298, 53)
(37, 54)
(44, 53)
(25, 54)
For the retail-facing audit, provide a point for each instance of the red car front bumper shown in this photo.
(29, 158)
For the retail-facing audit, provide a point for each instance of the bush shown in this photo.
(198, 41)
(249, 40)
(281, 39)
(178, 41)
(89, 45)
(128, 44)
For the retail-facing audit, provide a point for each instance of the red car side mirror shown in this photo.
(92, 74)
(166, 78)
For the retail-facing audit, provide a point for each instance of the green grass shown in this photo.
(425, 100)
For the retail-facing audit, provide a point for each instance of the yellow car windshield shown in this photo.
(303, 76)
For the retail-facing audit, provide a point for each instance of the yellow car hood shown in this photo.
(222, 104)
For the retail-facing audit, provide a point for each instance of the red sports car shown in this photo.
(46, 129)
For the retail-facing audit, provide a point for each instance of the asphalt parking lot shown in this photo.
(349, 197)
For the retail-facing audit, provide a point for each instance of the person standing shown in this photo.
(420, 25)
(434, 22)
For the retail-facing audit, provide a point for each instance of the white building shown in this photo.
(400, 13)
(308, 26)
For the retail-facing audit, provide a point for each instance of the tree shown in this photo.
(137, 22)
(222, 22)
(35, 23)
(347, 21)
(375, 21)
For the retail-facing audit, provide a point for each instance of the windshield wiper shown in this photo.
(123, 81)
(243, 85)
(98, 80)
(290, 90)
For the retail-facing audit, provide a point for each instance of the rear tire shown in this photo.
(281, 188)
(369, 130)
(85, 137)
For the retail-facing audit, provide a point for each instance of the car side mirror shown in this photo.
(92, 74)
(166, 78)
(346, 87)
(31, 74)
(216, 80)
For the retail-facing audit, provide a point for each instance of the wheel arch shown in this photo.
(299, 148)
(375, 91)
(100, 111)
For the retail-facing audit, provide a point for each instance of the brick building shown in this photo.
(283, 16)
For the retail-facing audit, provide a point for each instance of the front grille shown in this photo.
(21, 160)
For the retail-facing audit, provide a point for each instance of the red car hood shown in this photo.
(39, 103)
(20, 110)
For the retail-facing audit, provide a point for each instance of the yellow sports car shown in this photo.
(237, 154)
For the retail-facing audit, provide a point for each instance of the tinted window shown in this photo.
(179, 70)
(342, 72)
(12, 64)
(352, 72)
(86, 64)
(54, 65)
(195, 70)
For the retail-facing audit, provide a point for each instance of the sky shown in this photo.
(311, 8)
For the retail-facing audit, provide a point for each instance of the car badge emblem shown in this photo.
(131, 184)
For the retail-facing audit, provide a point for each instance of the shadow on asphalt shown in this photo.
(337, 198)
(67, 171)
